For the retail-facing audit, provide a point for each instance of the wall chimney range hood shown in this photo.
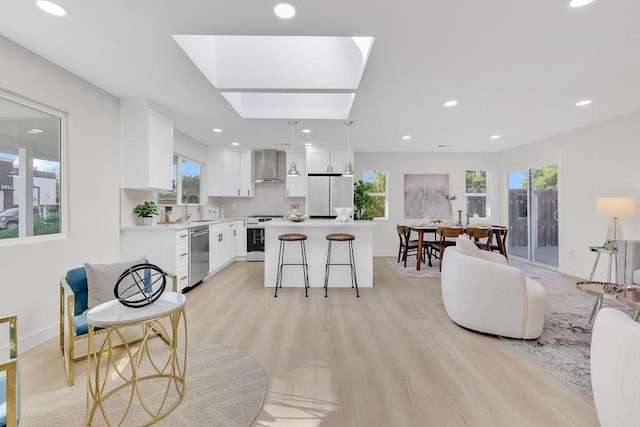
(267, 167)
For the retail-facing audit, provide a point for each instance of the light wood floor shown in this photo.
(389, 358)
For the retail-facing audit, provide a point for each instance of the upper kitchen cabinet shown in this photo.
(321, 160)
(230, 172)
(246, 173)
(297, 186)
(147, 146)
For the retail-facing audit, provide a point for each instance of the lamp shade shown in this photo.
(620, 207)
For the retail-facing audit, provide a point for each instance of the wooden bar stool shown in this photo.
(341, 237)
(293, 237)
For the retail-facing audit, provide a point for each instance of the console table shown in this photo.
(145, 378)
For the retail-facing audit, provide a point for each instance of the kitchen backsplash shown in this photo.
(268, 199)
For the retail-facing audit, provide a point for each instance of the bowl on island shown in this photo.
(296, 217)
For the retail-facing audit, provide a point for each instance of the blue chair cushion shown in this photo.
(3, 397)
(77, 280)
(81, 324)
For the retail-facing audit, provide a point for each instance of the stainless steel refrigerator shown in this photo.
(324, 192)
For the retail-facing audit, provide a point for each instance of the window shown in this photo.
(377, 179)
(187, 182)
(30, 146)
(476, 192)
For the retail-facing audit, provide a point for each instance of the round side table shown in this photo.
(122, 371)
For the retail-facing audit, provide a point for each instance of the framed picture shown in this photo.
(425, 196)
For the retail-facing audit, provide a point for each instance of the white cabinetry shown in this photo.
(168, 249)
(241, 238)
(222, 245)
(147, 146)
(230, 172)
(246, 174)
(297, 186)
(327, 161)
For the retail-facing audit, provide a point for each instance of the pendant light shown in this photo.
(348, 172)
(293, 170)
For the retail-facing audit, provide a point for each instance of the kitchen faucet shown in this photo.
(187, 215)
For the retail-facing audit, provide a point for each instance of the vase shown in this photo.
(147, 221)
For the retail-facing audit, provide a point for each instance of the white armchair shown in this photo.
(615, 372)
(480, 291)
(628, 262)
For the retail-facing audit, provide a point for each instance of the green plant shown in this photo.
(146, 209)
(362, 200)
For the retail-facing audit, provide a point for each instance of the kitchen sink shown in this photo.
(201, 220)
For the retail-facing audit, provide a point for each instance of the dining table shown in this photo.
(498, 232)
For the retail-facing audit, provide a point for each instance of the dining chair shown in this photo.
(499, 244)
(481, 236)
(407, 245)
(445, 237)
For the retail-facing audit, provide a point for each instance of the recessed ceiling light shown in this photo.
(34, 130)
(284, 10)
(306, 130)
(216, 130)
(307, 144)
(579, 3)
(495, 136)
(583, 103)
(451, 103)
(406, 137)
(51, 7)
(235, 143)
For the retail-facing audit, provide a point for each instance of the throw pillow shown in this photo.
(101, 279)
(465, 246)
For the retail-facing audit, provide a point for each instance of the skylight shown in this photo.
(287, 105)
(278, 62)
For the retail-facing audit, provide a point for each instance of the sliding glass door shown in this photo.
(533, 214)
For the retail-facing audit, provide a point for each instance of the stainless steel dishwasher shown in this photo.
(198, 254)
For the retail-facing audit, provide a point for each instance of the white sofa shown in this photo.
(482, 292)
(615, 371)
(628, 262)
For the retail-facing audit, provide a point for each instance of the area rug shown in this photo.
(563, 349)
(225, 387)
(410, 269)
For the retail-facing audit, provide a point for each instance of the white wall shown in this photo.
(599, 160)
(398, 164)
(189, 147)
(31, 271)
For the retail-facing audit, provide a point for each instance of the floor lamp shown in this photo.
(615, 207)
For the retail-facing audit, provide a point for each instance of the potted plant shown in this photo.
(146, 210)
(361, 200)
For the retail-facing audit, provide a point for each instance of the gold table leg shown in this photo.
(111, 375)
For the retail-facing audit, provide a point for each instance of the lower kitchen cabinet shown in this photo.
(222, 245)
(168, 249)
(241, 238)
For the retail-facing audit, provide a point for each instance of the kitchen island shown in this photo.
(316, 245)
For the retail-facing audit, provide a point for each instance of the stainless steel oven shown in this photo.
(255, 236)
(255, 243)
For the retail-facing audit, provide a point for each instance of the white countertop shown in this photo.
(317, 223)
(180, 225)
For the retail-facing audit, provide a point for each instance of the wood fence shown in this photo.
(545, 208)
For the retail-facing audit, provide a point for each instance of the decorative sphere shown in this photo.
(140, 285)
